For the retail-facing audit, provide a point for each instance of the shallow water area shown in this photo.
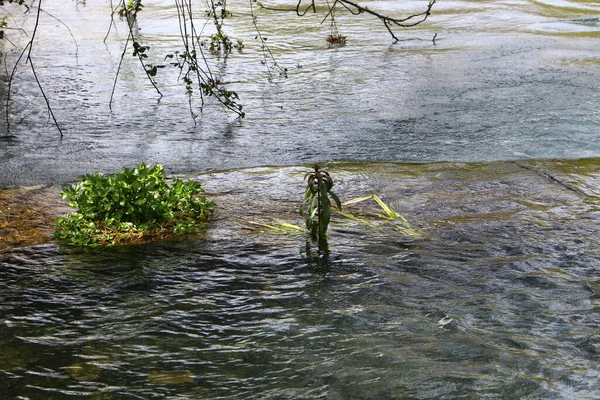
(498, 297)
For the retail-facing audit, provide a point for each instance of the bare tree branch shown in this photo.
(28, 49)
(407, 22)
(194, 67)
(356, 9)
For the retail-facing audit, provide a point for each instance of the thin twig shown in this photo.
(45, 98)
(112, 19)
(68, 29)
(131, 20)
(37, 22)
(9, 88)
(112, 93)
(28, 49)
(266, 50)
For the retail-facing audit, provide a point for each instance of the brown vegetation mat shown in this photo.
(27, 215)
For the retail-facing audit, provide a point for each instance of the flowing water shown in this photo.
(498, 297)
(503, 80)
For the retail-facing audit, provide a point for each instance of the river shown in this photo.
(503, 80)
(485, 139)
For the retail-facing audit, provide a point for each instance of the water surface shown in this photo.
(499, 297)
(503, 80)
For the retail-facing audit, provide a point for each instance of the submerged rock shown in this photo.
(27, 215)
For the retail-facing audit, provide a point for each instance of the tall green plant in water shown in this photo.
(316, 207)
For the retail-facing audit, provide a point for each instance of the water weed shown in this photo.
(134, 205)
(316, 207)
(317, 211)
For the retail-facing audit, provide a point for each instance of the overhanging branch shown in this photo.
(28, 49)
(356, 9)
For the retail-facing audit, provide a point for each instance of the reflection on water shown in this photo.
(498, 299)
(503, 80)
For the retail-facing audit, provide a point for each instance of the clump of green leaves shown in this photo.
(316, 207)
(132, 206)
(130, 9)
(3, 25)
(220, 43)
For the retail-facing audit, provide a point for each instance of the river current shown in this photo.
(485, 139)
(503, 80)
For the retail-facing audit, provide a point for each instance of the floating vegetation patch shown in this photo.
(134, 206)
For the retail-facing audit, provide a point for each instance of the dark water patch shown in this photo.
(587, 21)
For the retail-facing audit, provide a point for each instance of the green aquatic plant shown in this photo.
(374, 219)
(317, 211)
(134, 205)
(316, 207)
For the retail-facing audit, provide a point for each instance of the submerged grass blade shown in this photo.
(400, 223)
(357, 219)
(407, 230)
(357, 200)
(390, 213)
(279, 226)
(293, 227)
